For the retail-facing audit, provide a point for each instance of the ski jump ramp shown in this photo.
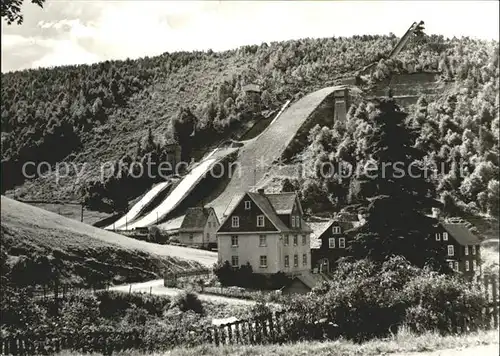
(254, 158)
(181, 190)
(134, 212)
(257, 155)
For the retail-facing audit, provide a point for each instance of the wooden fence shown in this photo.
(103, 342)
(490, 287)
(271, 328)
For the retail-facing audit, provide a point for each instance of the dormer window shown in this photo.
(445, 236)
(293, 221)
(248, 204)
(297, 221)
(260, 221)
(336, 229)
(235, 221)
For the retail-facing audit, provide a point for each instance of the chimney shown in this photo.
(260, 191)
(436, 213)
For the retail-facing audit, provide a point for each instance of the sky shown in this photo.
(82, 31)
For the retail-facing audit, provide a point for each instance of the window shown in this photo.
(445, 236)
(473, 249)
(235, 221)
(474, 265)
(295, 240)
(287, 261)
(191, 236)
(304, 240)
(467, 267)
(450, 264)
(336, 229)
(342, 242)
(208, 236)
(247, 205)
(287, 240)
(297, 221)
(304, 259)
(296, 260)
(466, 250)
(456, 266)
(260, 221)
(263, 261)
(234, 241)
(438, 237)
(293, 221)
(451, 250)
(262, 240)
(209, 224)
(235, 261)
(331, 242)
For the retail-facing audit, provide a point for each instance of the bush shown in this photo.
(187, 301)
(443, 303)
(367, 300)
(113, 303)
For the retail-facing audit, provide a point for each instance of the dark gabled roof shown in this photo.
(320, 228)
(461, 233)
(266, 207)
(282, 202)
(196, 218)
(267, 203)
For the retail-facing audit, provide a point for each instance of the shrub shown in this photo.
(187, 301)
(368, 300)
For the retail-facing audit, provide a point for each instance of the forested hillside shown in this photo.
(92, 114)
(458, 131)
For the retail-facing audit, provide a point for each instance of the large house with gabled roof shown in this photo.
(267, 231)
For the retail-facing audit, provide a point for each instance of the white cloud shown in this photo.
(66, 52)
(146, 28)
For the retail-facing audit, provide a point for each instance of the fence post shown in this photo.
(216, 336)
(237, 332)
(271, 328)
(494, 294)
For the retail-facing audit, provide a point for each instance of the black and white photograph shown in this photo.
(250, 178)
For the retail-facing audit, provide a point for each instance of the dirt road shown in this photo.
(156, 287)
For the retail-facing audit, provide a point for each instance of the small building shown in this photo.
(267, 231)
(301, 284)
(462, 248)
(331, 240)
(199, 227)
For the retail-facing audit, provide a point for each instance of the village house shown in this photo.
(462, 248)
(199, 227)
(267, 231)
(329, 243)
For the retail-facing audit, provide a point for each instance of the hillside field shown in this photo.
(86, 252)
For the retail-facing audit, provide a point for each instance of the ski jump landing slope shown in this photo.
(256, 156)
(182, 190)
(134, 212)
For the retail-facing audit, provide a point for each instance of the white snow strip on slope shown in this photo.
(176, 196)
(135, 210)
